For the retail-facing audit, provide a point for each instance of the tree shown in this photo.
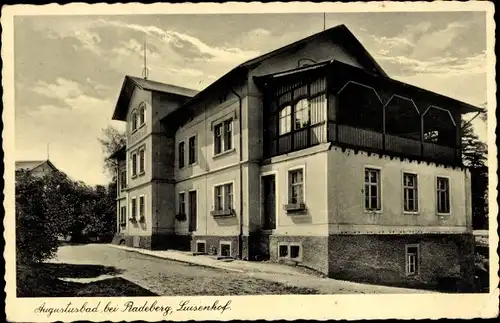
(112, 140)
(100, 212)
(43, 209)
(474, 156)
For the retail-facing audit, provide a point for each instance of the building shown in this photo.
(36, 167)
(310, 154)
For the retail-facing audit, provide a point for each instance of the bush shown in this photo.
(36, 234)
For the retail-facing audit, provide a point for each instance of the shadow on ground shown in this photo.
(44, 280)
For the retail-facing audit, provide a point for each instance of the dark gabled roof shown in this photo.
(347, 69)
(119, 154)
(162, 87)
(339, 33)
(32, 164)
(131, 82)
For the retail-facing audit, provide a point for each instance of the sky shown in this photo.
(69, 69)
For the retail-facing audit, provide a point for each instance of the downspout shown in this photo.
(240, 123)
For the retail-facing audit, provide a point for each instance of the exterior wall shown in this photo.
(445, 260)
(252, 127)
(138, 228)
(346, 197)
(314, 250)
(157, 181)
(146, 177)
(212, 244)
(209, 170)
(201, 126)
(162, 156)
(315, 221)
(199, 185)
(163, 208)
(204, 186)
(251, 198)
(138, 97)
(163, 104)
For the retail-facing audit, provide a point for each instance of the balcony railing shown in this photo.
(394, 145)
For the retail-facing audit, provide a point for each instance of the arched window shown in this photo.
(301, 112)
(133, 119)
(285, 121)
(142, 114)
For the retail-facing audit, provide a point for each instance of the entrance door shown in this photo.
(268, 202)
(192, 211)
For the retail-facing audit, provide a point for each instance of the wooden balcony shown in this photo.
(372, 141)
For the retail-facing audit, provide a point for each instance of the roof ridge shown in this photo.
(159, 82)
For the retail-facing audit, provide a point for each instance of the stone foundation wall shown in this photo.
(155, 241)
(212, 244)
(445, 260)
(314, 250)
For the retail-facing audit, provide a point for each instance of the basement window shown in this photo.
(225, 249)
(201, 247)
(283, 251)
(292, 251)
(412, 260)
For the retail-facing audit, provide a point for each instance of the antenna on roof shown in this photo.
(324, 20)
(48, 150)
(145, 71)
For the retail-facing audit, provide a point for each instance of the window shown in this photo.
(225, 249)
(133, 207)
(296, 186)
(372, 189)
(224, 197)
(301, 117)
(201, 246)
(301, 111)
(141, 161)
(142, 114)
(134, 164)
(133, 118)
(192, 150)
(228, 134)
(182, 203)
(294, 252)
(412, 260)
(410, 192)
(142, 207)
(443, 195)
(289, 251)
(283, 251)
(123, 215)
(123, 179)
(181, 154)
(218, 139)
(223, 136)
(285, 124)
